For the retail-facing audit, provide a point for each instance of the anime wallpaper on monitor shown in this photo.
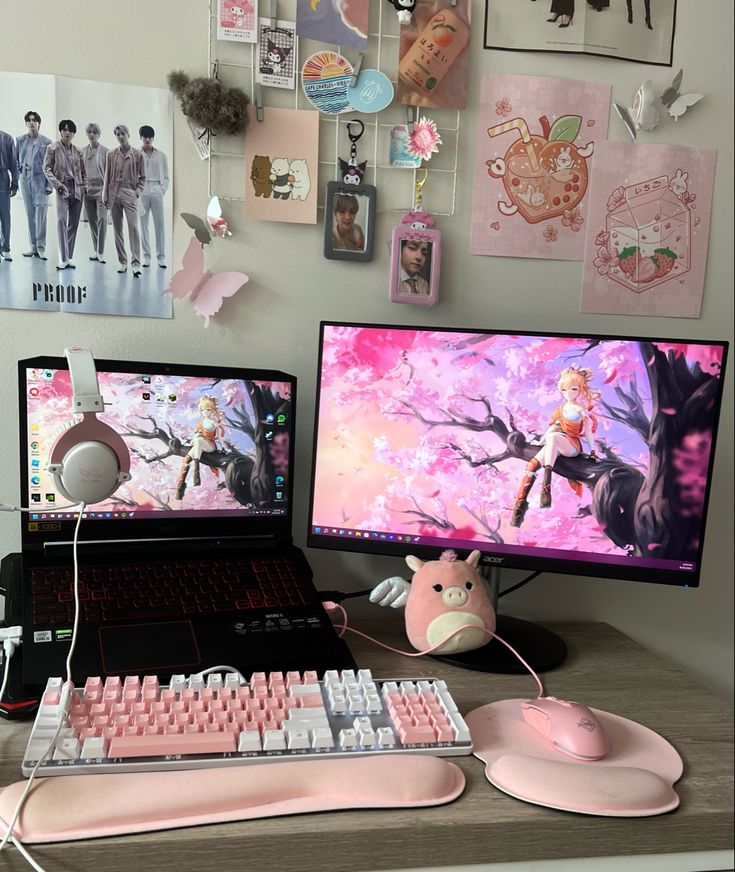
(585, 449)
(198, 446)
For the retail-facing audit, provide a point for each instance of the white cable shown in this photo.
(6, 672)
(26, 856)
(66, 692)
(6, 507)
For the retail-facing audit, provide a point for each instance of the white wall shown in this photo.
(274, 320)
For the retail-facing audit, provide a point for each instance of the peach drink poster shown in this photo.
(536, 140)
(649, 214)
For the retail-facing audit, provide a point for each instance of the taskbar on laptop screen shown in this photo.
(197, 445)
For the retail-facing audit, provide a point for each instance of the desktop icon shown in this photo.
(146, 395)
(35, 428)
(146, 379)
(281, 419)
(48, 374)
(50, 498)
(279, 479)
(279, 495)
(35, 498)
(172, 398)
(268, 434)
(35, 479)
(35, 445)
(33, 391)
(35, 462)
(269, 418)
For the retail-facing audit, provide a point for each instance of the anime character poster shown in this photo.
(646, 250)
(72, 243)
(277, 51)
(281, 162)
(536, 144)
(566, 447)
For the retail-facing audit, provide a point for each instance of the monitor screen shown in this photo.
(578, 454)
(208, 445)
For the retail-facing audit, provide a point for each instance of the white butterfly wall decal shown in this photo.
(676, 102)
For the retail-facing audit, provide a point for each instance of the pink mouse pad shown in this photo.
(635, 779)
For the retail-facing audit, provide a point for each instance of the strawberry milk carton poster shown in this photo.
(535, 144)
(646, 245)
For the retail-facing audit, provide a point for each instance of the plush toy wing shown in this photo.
(215, 219)
(190, 279)
(392, 592)
(210, 296)
(200, 228)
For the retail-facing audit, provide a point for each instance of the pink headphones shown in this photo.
(90, 460)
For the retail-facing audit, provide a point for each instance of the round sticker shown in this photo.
(325, 78)
(372, 92)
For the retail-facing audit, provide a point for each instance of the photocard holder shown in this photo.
(416, 256)
(349, 209)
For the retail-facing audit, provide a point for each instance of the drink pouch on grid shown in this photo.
(434, 55)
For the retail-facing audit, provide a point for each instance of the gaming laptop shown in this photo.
(212, 517)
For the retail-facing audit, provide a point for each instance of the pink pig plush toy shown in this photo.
(444, 595)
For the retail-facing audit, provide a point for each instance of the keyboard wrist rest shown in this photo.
(65, 808)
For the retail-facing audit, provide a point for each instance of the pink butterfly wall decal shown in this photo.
(206, 291)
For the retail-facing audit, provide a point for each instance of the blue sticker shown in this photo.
(372, 92)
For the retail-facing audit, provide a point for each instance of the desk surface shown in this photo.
(604, 669)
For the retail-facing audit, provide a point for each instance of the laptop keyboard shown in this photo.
(119, 592)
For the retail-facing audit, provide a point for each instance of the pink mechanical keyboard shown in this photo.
(137, 724)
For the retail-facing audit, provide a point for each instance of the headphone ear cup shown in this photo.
(89, 461)
(89, 473)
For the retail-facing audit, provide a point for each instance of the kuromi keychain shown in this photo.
(404, 8)
(349, 211)
(416, 249)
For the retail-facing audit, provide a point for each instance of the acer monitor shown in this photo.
(578, 454)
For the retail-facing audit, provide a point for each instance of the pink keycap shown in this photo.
(310, 677)
(185, 743)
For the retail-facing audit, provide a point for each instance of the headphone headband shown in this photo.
(84, 384)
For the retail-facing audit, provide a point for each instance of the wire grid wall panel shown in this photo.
(234, 63)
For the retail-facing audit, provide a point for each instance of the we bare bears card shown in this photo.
(281, 162)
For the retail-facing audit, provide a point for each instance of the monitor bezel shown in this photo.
(165, 528)
(505, 560)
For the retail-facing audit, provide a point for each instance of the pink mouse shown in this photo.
(445, 595)
(568, 727)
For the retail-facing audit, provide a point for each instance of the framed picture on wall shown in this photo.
(415, 266)
(349, 222)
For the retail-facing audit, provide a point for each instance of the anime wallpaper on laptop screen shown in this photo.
(595, 450)
(199, 446)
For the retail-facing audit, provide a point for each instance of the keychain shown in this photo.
(349, 211)
(416, 251)
(404, 8)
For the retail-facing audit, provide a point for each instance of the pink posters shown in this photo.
(281, 162)
(535, 143)
(649, 212)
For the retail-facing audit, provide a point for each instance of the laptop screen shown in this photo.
(211, 449)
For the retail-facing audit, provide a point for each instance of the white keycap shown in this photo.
(67, 749)
(370, 687)
(197, 682)
(307, 718)
(178, 683)
(232, 680)
(407, 687)
(386, 737)
(348, 675)
(364, 675)
(36, 749)
(447, 703)
(331, 676)
(389, 687)
(298, 739)
(373, 704)
(322, 738)
(356, 704)
(274, 740)
(304, 690)
(460, 727)
(338, 705)
(249, 741)
(426, 685)
(364, 729)
(94, 748)
(214, 681)
(347, 739)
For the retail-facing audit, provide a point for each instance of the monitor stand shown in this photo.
(542, 649)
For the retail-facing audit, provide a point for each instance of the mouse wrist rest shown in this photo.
(68, 807)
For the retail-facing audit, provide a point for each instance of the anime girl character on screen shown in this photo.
(208, 430)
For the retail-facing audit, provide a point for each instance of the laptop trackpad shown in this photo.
(148, 647)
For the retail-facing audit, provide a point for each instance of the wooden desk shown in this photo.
(605, 669)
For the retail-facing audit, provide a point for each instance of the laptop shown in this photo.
(212, 516)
